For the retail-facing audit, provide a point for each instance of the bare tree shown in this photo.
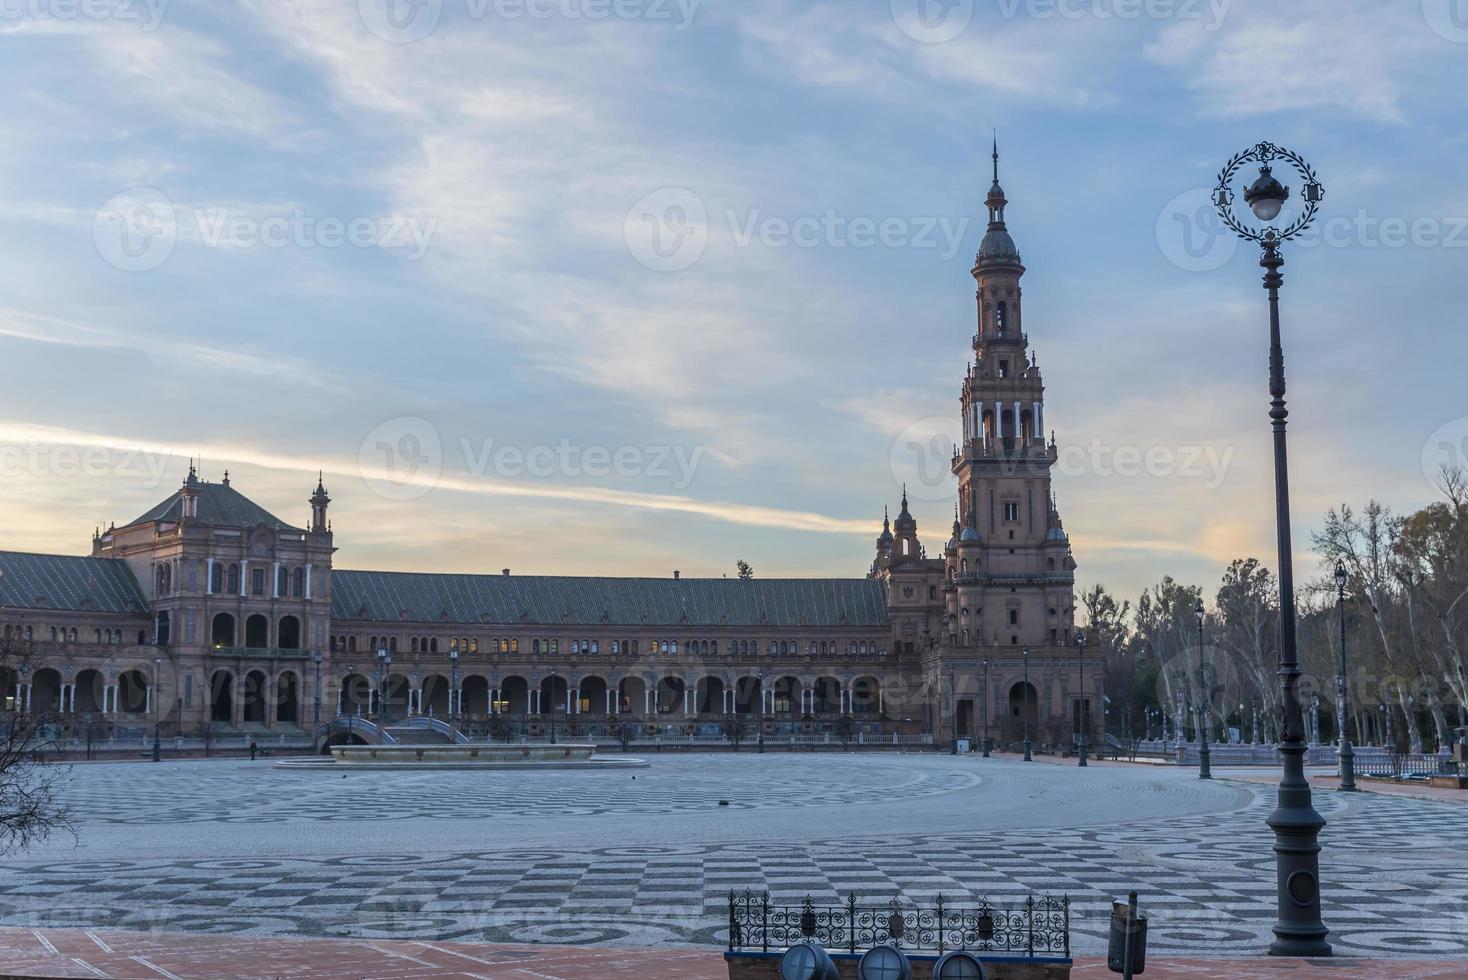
(735, 729)
(30, 805)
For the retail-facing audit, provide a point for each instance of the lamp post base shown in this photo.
(1027, 751)
(987, 746)
(1081, 751)
(1205, 769)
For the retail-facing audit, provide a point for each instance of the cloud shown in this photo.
(1347, 56)
(20, 434)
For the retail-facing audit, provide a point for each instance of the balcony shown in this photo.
(279, 653)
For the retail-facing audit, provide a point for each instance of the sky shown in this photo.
(628, 286)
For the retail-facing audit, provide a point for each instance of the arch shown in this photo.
(221, 697)
(708, 697)
(553, 690)
(827, 695)
(669, 695)
(515, 696)
(865, 696)
(1026, 425)
(1007, 423)
(46, 692)
(435, 696)
(257, 632)
(288, 635)
(221, 631)
(89, 692)
(474, 697)
(9, 679)
(356, 695)
(288, 698)
(788, 692)
(254, 696)
(162, 628)
(632, 692)
(1023, 702)
(395, 697)
(592, 696)
(747, 691)
(132, 693)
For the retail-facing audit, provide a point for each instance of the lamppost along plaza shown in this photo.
(1347, 755)
(1025, 701)
(1081, 703)
(1205, 706)
(1298, 929)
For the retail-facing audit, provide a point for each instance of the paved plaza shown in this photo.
(648, 857)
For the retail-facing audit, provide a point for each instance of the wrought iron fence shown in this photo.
(1040, 926)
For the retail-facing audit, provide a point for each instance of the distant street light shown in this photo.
(1347, 755)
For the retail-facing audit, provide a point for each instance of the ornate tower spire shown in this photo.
(319, 502)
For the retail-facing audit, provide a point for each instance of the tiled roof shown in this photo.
(553, 599)
(218, 504)
(68, 582)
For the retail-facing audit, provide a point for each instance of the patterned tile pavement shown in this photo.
(604, 859)
(89, 953)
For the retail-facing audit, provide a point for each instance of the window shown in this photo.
(616, 647)
(1011, 511)
(282, 581)
(515, 645)
(257, 581)
(298, 583)
(1003, 369)
(594, 646)
(234, 579)
(1014, 617)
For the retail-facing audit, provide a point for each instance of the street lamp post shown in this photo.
(1081, 704)
(157, 709)
(552, 677)
(1347, 755)
(1025, 702)
(454, 696)
(1205, 707)
(316, 701)
(351, 672)
(384, 657)
(1298, 930)
(986, 743)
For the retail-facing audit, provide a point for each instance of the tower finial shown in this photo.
(996, 156)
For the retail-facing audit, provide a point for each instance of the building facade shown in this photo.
(210, 612)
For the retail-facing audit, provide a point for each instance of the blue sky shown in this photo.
(285, 236)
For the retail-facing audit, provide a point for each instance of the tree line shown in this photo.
(1406, 629)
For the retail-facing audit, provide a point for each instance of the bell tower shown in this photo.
(1011, 575)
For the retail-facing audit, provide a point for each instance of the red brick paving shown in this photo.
(180, 956)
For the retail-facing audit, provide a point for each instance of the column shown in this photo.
(1018, 428)
(568, 699)
(275, 581)
(881, 701)
(1036, 413)
(609, 701)
(493, 697)
(147, 697)
(209, 576)
(998, 421)
(308, 580)
(244, 577)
